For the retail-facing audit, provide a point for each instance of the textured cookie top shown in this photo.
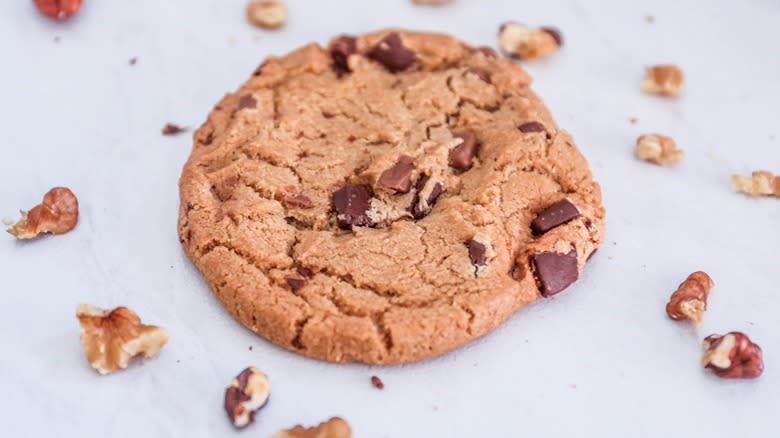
(385, 199)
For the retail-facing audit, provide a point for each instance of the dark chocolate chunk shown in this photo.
(461, 156)
(557, 214)
(420, 211)
(294, 282)
(555, 272)
(172, 129)
(352, 203)
(489, 52)
(340, 50)
(555, 33)
(531, 127)
(398, 179)
(476, 252)
(301, 201)
(478, 72)
(391, 53)
(247, 101)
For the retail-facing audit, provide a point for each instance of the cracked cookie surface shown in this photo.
(386, 198)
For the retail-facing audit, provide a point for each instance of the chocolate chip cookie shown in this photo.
(386, 198)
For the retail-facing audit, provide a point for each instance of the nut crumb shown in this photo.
(7, 221)
(633, 120)
(733, 356)
(650, 19)
(689, 301)
(333, 428)
(266, 14)
(111, 338)
(658, 149)
(663, 80)
(377, 382)
(247, 393)
(525, 42)
(57, 214)
(759, 183)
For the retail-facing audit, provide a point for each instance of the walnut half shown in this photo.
(57, 214)
(111, 338)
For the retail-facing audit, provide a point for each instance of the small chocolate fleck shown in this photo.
(294, 282)
(340, 50)
(259, 69)
(555, 33)
(555, 272)
(417, 211)
(306, 272)
(377, 382)
(391, 53)
(224, 189)
(209, 138)
(301, 201)
(477, 252)
(461, 156)
(250, 348)
(478, 72)
(489, 52)
(352, 203)
(557, 214)
(133, 60)
(327, 115)
(351, 138)
(247, 101)
(172, 129)
(531, 127)
(398, 179)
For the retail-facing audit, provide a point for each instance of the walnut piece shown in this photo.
(732, 356)
(759, 183)
(689, 301)
(333, 428)
(57, 214)
(111, 338)
(247, 393)
(663, 80)
(658, 149)
(266, 14)
(525, 42)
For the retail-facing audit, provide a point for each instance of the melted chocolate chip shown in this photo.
(340, 50)
(418, 211)
(557, 214)
(247, 101)
(531, 127)
(294, 282)
(352, 203)
(301, 201)
(478, 72)
(306, 272)
(477, 252)
(555, 33)
(391, 53)
(555, 272)
(398, 179)
(461, 156)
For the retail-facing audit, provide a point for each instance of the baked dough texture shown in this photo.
(386, 198)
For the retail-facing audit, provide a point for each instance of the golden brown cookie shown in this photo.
(385, 199)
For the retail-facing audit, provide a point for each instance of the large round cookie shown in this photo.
(385, 199)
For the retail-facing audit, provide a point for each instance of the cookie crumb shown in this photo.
(250, 348)
(133, 60)
(333, 428)
(633, 120)
(377, 382)
(172, 129)
(650, 18)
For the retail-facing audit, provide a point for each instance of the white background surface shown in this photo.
(601, 359)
